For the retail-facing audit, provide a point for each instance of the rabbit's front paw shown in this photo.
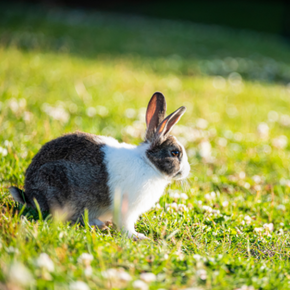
(137, 236)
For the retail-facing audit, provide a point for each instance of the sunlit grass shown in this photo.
(216, 235)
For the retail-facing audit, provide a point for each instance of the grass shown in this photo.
(63, 71)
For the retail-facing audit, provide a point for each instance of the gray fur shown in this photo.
(68, 172)
(159, 154)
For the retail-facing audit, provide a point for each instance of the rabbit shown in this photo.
(82, 171)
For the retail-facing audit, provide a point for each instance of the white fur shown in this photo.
(133, 176)
(134, 182)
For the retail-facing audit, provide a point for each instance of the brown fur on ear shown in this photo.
(155, 114)
(167, 124)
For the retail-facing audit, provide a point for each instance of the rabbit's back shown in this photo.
(69, 170)
(75, 147)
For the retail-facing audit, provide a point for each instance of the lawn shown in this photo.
(225, 227)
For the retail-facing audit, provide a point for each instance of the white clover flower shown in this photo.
(238, 136)
(242, 175)
(110, 273)
(273, 116)
(138, 284)
(228, 134)
(85, 259)
(247, 185)
(225, 203)
(20, 275)
(91, 112)
(219, 82)
(269, 227)
(197, 257)
(13, 104)
(45, 262)
(210, 196)
(280, 142)
(173, 205)
(281, 207)
(285, 182)
(130, 113)
(88, 271)
(232, 111)
(142, 114)
(8, 143)
(222, 142)
(102, 111)
(148, 277)
(158, 206)
(174, 195)
(258, 230)
(248, 219)
(232, 178)
(207, 196)
(117, 275)
(3, 151)
(79, 285)
(11, 249)
(182, 207)
(245, 287)
(285, 120)
(124, 276)
(201, 123)
(57, 113)
(136, 130)
(263, 130)
(207, 208)
(257, 178)
(130, 130)
(201, 274)
(205, 150)
(73, 108)
(183, 196)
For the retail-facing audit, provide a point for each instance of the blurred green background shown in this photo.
(68, 68)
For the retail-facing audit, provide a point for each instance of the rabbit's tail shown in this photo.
(19, 195)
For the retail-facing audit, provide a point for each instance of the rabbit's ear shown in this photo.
(155, 114)
(167, 124)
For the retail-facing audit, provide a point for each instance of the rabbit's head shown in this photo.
(164, 151)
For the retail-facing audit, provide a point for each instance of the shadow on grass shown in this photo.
(16, 208)
(29, 212)
(159, 45)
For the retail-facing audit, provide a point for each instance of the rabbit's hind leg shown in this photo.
(96, 222)
(50, 186)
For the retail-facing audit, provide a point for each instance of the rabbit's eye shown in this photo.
(175, 153)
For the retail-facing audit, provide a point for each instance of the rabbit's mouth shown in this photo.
(177, 175)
